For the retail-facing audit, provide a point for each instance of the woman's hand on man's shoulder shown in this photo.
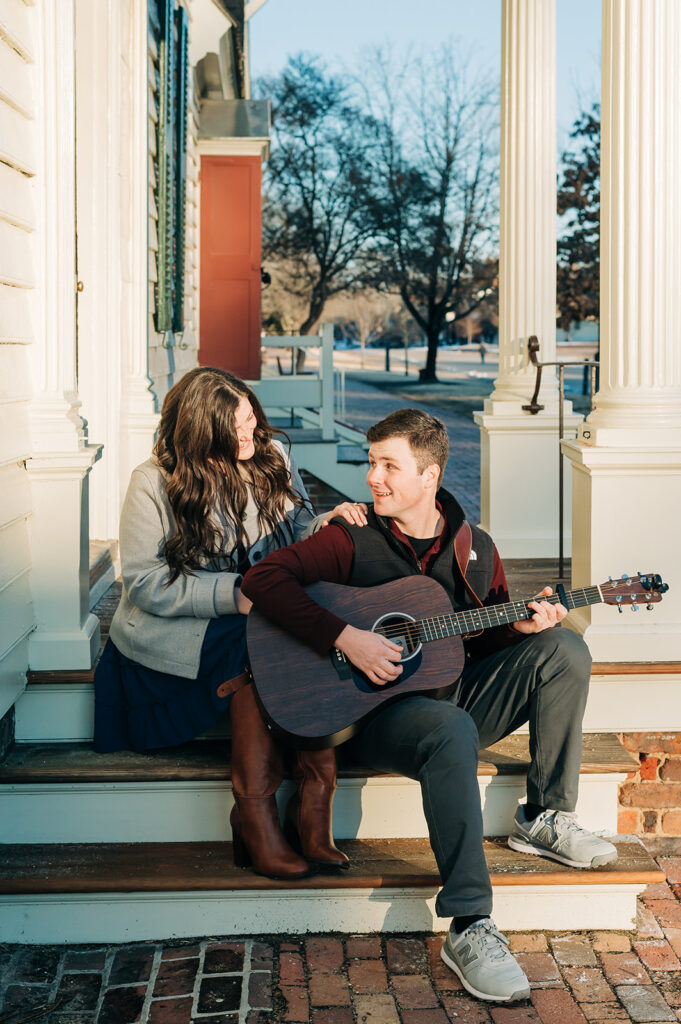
(354, 512)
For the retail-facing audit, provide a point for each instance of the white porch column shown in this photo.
(519, 452)
(103, 126)
(627, 460)
(67, 635)
(139, 414)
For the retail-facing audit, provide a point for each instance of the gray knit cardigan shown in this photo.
(162, 626)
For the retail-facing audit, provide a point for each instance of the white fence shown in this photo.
(313, 390)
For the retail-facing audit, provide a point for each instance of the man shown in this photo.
(529, 671)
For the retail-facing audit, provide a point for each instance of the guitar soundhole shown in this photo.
(402, 630)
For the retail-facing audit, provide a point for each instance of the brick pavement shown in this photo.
(576, 977)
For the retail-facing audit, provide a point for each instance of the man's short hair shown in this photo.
(427, 436)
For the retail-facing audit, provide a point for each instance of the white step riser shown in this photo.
(64, 713)
(141, 916)
(188, 811)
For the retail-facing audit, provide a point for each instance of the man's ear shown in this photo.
(431, 476)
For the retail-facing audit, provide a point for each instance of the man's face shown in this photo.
(395, 482)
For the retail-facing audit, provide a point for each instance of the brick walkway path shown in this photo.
(576, 978)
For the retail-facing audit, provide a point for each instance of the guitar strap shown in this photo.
(463, 543)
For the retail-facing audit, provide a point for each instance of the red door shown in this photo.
(230, 264)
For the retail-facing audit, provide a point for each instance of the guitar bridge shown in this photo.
(340, 663)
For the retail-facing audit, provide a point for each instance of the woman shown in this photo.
(218, 494)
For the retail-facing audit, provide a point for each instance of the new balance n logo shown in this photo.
(468, 957)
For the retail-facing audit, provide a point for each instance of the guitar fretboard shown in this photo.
(475, 619)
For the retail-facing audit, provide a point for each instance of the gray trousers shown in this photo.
(544, 681)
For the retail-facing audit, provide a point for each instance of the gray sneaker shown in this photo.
(481, 958)
(556, 834)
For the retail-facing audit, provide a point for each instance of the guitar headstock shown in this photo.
(643, 588)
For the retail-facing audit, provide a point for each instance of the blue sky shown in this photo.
(338, 29)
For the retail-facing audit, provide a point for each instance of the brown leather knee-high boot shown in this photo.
(257, 771)
(308, 814)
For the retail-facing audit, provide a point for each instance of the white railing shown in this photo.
(308, 390)
(339, 394)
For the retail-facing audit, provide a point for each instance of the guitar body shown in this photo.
(321, 701)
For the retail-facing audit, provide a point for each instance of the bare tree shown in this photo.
(283, 308)
(432, 193)
(579, 202)
(313, 230)
(366, 315)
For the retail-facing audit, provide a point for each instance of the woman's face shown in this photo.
(245, 424)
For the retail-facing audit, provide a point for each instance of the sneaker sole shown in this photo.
(523, 993)
(522, 846)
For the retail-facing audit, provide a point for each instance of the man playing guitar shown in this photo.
(529, 671)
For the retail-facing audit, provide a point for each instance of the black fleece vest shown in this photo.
(380, 558)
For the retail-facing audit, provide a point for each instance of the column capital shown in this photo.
(60, 465)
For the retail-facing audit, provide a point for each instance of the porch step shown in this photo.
(626, 697)
(124, 892)
(62, 792)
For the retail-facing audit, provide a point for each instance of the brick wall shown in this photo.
(650, 799)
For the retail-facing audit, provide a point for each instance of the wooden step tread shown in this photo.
(376, 863)
(598, 668)
(208, 760)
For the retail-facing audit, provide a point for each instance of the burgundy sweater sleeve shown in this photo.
(498, 637)
(275, 586)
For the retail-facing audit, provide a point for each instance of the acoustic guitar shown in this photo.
(322, 700)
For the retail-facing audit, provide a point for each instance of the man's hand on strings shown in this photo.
(545, 615)
(371, 653)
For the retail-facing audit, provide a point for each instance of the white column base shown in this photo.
(519, 465)
(66, 635)
(625, 504)
(54, 651)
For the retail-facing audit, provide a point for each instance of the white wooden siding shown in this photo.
(17, 280)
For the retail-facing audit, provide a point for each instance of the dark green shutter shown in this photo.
(182, 61)
(166, 167)
(169, 25)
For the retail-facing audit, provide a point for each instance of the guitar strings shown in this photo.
(474, 619)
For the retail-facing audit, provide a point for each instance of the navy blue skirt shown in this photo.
(138, 708)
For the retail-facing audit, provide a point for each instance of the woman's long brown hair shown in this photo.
(198, 447)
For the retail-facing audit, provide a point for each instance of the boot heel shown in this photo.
(240, 854)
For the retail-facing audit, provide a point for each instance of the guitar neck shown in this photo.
(476, 619)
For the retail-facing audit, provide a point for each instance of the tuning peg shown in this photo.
(634, 607)
(620, 609)
(625, 577)
(649, 607)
